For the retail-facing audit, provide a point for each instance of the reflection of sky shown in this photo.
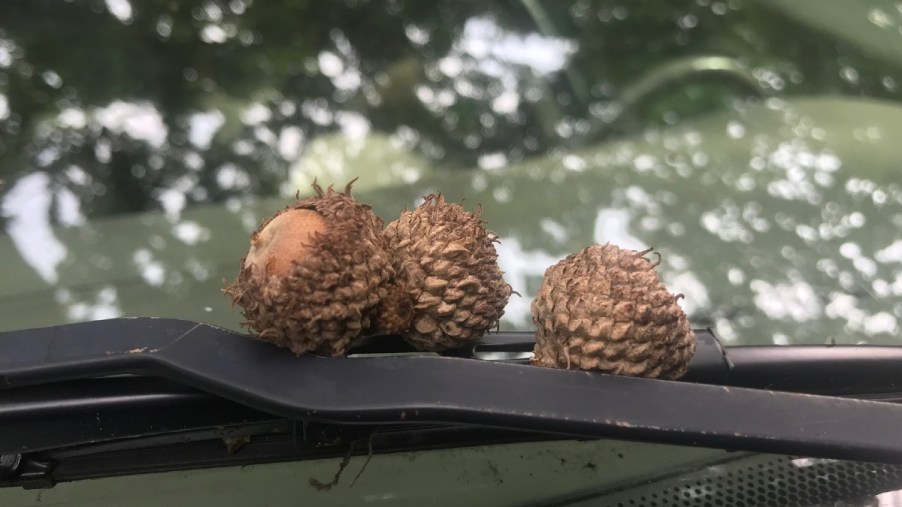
(27, 207)
(613, 226)
(152, 271)
(512, 62)
(519, 267)
(687, 283)
(103, 305)
(795, 301)
(484, 40)
(846, 307)
(482, 49)
(291, 139)
(378, 159)
(892, 253)
(190, 233)
(140, 121)
(341, 66)
(7, 48)
(121, 9)
(203, 126)
(37, 204)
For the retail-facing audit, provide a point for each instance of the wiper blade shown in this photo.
(92, 411)
(460, 390)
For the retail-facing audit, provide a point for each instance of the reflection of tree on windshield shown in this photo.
(219, 87)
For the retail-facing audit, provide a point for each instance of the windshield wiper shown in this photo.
(122, 373)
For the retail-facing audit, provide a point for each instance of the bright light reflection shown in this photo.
(121, 9)
(139, 121)
(68, 208)
(379, 160)
(7, 48)
(485, 49)
(795, 301)
(202, 127)
(290, 140)
(213, 34)
(613, 226)
(104, 306)
(27, 207)
(519, 266)
(892, 253)
(255, 113)
(152, 271)
(688, 284)
(845, 306)
(191, 233)
(484, 40)
(72, 118)
(342, 68)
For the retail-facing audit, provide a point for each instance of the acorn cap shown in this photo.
(319, 274)
(450, 267)
(605, 309)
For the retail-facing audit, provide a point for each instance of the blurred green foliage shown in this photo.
(77, 54)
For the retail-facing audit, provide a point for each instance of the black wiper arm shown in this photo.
(847, 370)
(393, 390)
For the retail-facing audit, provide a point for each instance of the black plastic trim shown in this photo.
(452, 390)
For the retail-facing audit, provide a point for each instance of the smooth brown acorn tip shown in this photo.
(287, 238)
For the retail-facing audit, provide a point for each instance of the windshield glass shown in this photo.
(753, 143)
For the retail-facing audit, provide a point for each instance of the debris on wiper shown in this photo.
(605, 309)
(324, 271)
(451, 266)
(318, 275)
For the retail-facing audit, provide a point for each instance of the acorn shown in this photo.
(605, 309)
(319, 274)
(450, 267)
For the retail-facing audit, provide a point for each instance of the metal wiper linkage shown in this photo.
(815, 401)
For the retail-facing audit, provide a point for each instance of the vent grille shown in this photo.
(766, 480)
